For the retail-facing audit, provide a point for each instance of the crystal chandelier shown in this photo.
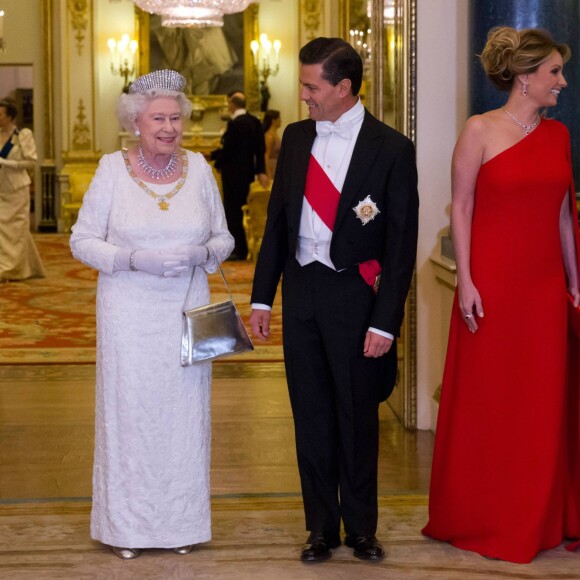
(193, 13)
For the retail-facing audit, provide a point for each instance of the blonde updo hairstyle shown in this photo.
(509, 52)
(130, 106)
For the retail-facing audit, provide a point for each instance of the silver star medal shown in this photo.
(366, 210)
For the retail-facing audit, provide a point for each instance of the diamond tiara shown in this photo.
(159, 79)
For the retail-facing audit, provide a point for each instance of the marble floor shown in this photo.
(46, 435)
(46, 439)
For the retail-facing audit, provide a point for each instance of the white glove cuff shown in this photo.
(121, 261)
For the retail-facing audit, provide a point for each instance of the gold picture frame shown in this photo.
(208, 99)
(390, 78)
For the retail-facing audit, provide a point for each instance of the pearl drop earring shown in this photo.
(137, 133)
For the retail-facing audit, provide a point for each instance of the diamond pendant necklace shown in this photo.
(151, 171)
(159, 198)
(527, 128)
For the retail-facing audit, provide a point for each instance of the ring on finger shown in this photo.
(467, 316)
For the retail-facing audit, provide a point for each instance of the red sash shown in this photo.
(321, 193)
(323, 197)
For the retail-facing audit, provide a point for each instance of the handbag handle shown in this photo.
(212, 251)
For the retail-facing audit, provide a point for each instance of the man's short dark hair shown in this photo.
(338, 58)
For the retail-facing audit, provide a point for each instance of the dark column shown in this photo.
(48, 209)
(559, 17)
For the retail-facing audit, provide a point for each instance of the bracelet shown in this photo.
(132, 261)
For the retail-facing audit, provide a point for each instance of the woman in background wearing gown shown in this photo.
(151, 214)
(19, 257)
(500, 468)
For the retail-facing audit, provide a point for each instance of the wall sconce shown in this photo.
(123, 58)
(360, 41)
(2, 45)
(266, 64)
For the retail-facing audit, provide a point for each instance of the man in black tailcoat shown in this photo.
(240, 160)
(342, 232)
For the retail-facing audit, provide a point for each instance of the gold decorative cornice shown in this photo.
(81, 130)
(311, 17)
(79, 13)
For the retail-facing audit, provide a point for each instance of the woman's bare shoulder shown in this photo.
(482, 124)
(481, 132)
(473, 135)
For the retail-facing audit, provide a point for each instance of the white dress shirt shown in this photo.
(333, 152)
(237, 113)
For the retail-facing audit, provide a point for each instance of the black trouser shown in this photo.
(335, 392)
(235, 196)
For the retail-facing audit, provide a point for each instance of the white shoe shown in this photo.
(127, 553)
(183, 549)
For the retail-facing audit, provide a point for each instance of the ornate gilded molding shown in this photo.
(251, 80)
(412, 60)
(81, 131)
(311, 18)
(406, 13)
(79, 13)
(47, 78)
(398, 64)
(208, 102)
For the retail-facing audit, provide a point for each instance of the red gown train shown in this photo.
(506, 448)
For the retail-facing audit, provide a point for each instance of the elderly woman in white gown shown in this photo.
(151, 214)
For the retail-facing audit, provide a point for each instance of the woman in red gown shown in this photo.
(500, 481)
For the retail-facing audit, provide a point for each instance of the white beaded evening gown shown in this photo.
(152, 442)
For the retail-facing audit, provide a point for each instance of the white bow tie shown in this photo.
(326, 128)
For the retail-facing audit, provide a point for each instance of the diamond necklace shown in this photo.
(527, 128)
(154, 173)
(160, 199)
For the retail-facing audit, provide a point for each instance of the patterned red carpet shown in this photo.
(53, 319)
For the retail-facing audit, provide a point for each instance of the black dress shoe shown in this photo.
(365, 547)
(317, 547)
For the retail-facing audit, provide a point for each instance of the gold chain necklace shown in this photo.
(161, 199)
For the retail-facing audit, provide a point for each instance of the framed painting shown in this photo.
(213, 60)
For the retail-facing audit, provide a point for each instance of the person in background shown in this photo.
(151, 215)
(504, 450)
(19, 257)
(342, 233)
(239, 160)
(270, 125)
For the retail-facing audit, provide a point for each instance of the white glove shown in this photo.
(167, 265)
(158, 264)
(196, 255)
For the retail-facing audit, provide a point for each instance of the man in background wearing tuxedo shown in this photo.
(239, 160)
(342, 231)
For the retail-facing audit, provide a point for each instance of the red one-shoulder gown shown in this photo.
(506, 448)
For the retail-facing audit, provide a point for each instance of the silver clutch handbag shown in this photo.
(212, 331)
